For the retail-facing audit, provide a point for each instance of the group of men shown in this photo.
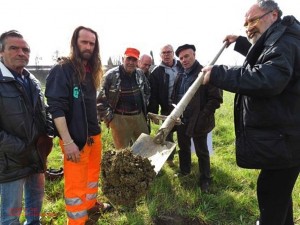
(127, 95)
(267, 108)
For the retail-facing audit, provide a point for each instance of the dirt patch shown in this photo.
(125, 177)
(177, 220)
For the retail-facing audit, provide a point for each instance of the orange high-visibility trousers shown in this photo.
(81, 181)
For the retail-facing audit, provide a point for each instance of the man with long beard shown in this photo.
(71, 93)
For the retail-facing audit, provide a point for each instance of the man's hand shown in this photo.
(71, 152)
(230, 39)
(206, 70)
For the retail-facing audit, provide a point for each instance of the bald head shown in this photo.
(145, 62)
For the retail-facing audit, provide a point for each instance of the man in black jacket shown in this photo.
(198, 117)
(71, 93)
(267, 106)
(161, 80)
(24, 129)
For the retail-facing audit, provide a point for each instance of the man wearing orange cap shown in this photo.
(123, 99)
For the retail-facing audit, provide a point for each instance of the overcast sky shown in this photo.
(146, 25)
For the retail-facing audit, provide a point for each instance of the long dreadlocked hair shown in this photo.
(94, 62)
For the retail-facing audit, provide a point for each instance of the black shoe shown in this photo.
(205, 186)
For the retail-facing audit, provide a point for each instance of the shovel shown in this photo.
(156, 149)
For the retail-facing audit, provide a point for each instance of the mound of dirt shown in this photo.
(125, 177)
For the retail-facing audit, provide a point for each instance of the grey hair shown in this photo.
(167, 46)
(5, 35)
(269, 5)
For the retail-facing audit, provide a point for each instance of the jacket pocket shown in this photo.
(12, 107)
(12, 103)
(264, 150)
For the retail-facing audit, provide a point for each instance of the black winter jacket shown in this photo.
(24, 125)
(67, 98)
(267, 103)
(159, 83)
(199, 113)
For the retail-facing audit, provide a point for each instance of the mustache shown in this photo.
(87, 51)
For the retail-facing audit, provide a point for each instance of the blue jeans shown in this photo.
(11, 200)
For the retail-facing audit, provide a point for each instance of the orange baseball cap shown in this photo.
(132, 52)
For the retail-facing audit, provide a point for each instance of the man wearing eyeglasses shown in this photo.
(267, 106)
(161, 80)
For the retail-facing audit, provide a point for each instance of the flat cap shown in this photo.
(183, 47)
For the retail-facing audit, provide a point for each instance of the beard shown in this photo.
(86, 55)
(253, 37)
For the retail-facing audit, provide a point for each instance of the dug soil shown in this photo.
(125, 177)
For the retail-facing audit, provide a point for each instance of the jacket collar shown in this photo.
(4, 72)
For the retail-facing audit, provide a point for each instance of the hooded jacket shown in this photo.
(267, 102)
(24, 128)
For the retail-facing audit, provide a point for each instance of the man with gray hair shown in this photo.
(24, 134)
(161, 80)
(267, 106)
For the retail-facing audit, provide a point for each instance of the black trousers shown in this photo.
(201, 149)
(170, 137)
(274, 194)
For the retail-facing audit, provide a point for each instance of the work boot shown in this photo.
(95, 212)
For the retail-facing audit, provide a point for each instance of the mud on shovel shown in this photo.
(156, 149)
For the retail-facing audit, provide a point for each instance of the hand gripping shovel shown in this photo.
(156, 149)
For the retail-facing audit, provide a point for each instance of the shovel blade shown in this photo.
(156, 153)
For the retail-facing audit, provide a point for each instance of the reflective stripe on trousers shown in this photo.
(81, 182)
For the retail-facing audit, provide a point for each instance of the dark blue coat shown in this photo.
(24, 123)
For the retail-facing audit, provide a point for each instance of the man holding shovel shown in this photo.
(267, 106)
(197, 118)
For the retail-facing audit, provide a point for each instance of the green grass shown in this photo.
(232, 200)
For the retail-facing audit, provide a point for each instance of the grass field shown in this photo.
(172, 200)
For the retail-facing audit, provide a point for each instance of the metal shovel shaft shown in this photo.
(170, 121)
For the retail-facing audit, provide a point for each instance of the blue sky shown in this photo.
(146, 25)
